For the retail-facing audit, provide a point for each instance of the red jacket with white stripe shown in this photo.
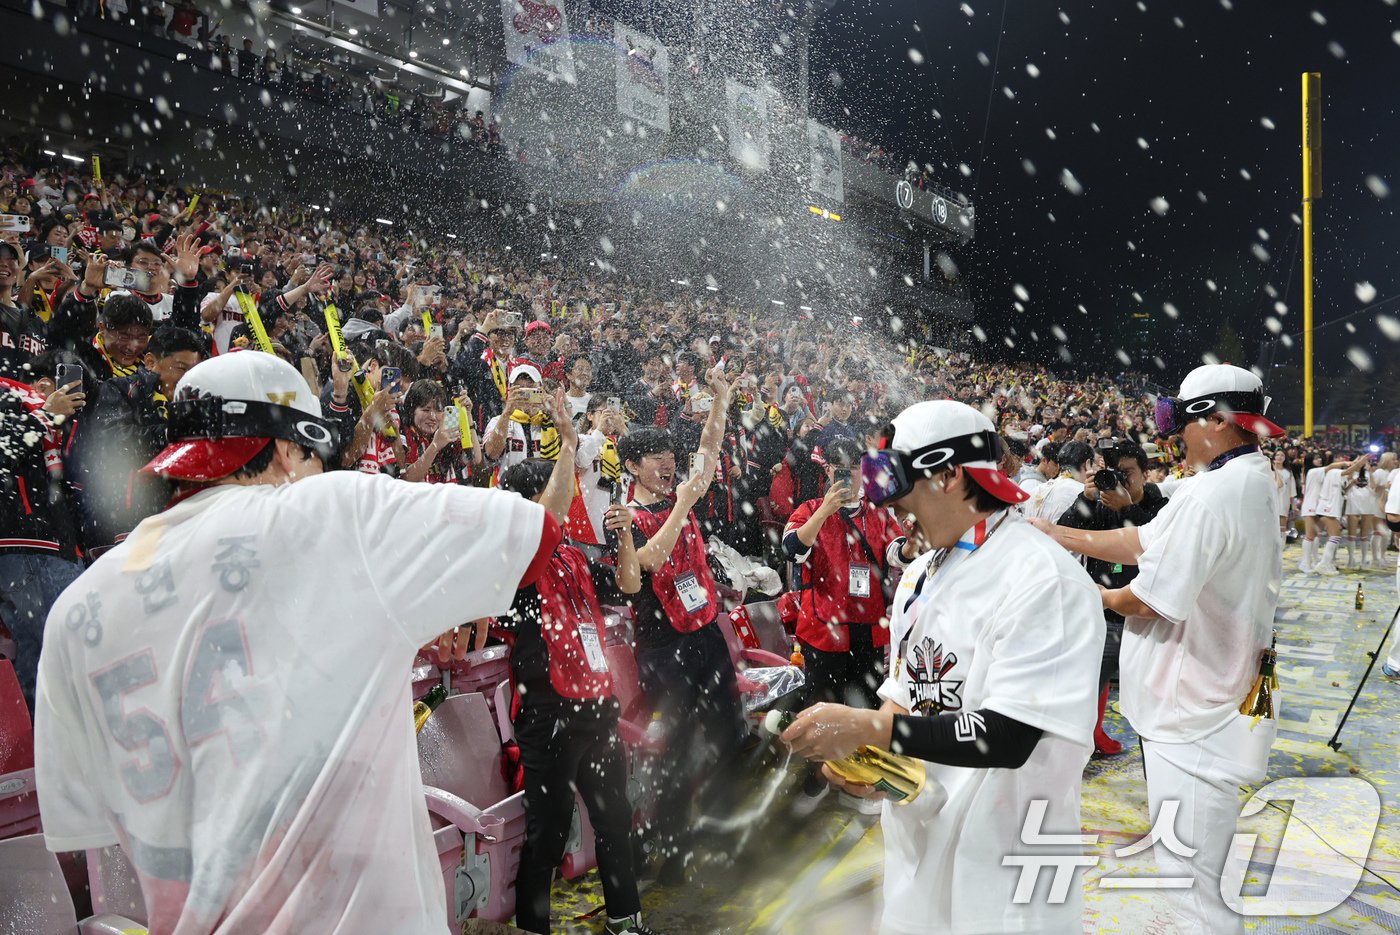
(29, 447)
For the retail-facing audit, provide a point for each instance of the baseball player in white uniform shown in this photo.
(226, 694)
(1199, 615)
(998, 636)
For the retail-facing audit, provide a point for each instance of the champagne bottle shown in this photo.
(427, 705)
(899, 777)
(1259, 703)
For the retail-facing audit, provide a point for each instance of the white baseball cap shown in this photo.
(525, 370)
(932, 435)
(1232, 391)
(228, 408)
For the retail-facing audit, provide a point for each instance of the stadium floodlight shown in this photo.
(71, 158)
(385, 221)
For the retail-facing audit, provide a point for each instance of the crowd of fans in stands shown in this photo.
(455, 356)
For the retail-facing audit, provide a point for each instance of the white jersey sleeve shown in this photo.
(443, 556)
(1181, 548)
(75, 817)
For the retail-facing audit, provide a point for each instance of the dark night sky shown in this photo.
(1200, 92)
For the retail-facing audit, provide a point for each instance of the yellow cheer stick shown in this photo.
(255, 322)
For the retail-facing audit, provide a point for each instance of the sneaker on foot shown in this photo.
(1105, 745)
(1388, 672)
(859, 805)
(805, 803)
(632, 925)
(1327, 571)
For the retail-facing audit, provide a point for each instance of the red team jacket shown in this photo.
(826, 600)
(688, 557)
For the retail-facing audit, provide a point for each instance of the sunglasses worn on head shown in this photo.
(1172, 415)
(888, 474)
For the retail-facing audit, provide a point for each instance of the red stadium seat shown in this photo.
(34, 898)
(19, 807)
(767, 624)
(459, 754)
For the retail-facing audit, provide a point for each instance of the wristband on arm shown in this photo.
(979, 739)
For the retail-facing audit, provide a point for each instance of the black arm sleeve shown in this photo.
(979, 739)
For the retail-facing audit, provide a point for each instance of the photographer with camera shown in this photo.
(1115, 496)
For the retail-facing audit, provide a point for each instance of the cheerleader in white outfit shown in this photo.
(1360, 514)
(1331, 504)
(1312, 489)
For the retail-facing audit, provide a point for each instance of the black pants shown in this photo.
(563, 750)
(690, 682)
(1112, 645)
(850, 678)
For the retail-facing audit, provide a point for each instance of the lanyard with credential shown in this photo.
(971, 547)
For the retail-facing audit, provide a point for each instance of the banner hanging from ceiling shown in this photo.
(537, 37)
(747, 111)
(643, 76)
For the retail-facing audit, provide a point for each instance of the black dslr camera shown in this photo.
(1110, 479)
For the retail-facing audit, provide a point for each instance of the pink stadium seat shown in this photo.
(481, 672)
(19, 807)
(34, 898)
(114, 884)
(425, 675)
(642, 748)
(458, 752)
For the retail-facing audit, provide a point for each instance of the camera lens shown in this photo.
(1106, 479)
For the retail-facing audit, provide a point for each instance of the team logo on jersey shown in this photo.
(931, 690)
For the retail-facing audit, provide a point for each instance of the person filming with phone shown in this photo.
(524, 429)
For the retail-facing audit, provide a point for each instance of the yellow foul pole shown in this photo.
(1312, 189)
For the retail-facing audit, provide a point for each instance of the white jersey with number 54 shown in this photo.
(227, 695)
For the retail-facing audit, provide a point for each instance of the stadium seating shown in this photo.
(458, 752)
(34, 898)
(19, 807)
(114, 884)
(767, 624)
(480, 672)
